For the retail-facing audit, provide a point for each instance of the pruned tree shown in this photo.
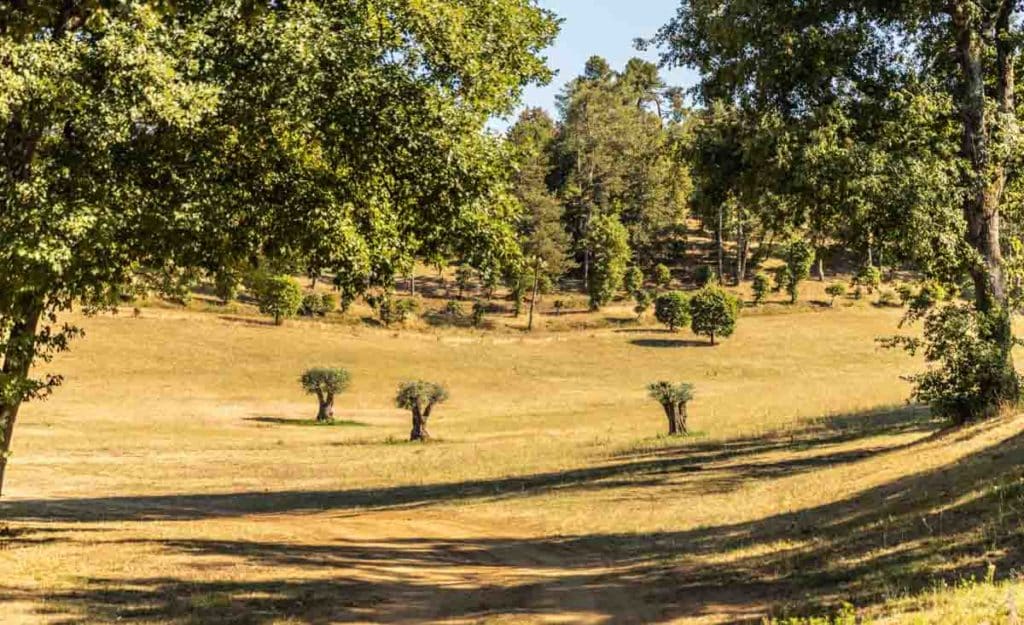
(672, 310)
(420, 397)
(673, 399)
(278, 296)
(326, 384)
(713, 312)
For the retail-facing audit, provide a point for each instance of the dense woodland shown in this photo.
(150, 145)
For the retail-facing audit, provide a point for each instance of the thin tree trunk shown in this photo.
(720, 240)
(682, 417)
(821, 268)
(18, 358)
(536, 287)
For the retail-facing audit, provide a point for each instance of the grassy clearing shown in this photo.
(173, 481)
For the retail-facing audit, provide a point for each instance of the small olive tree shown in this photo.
(673, 398)
(325, 383)
(714, 311)
(671, 310)
(278, 296)
(420, 397)
(835, 290)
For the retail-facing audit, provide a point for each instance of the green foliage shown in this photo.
(608, 241)
(668, 393)
(225, 285)
(391, 310)
(643, 300)
(971, 375)
(870, 278)
(278, 296)
(318, 304)
(714, 312)
(672, 309)
(420, 394)
(835, 291)
(463, 279)
(761, 286)
(782, 277)
(662, 276)
(479, 310)
(453, 310)
(888, 298)
(905, 293)
(706, 275)
(634, 280)
(799, 258)
(325, 381)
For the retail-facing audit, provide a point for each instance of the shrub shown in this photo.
(316, 305)
(559, 306)
(673, 399)
(888, 298)
(705, 275)
(325, 383)
(931, 293)
(906, 293)
(662, 276)
(799, 258)
(672, 310)
(453, 310)
(870, 278)
(781, 276)
(714, 311)
(279, 297)
(420, 397)
(390, 310)
(634, 280)
(643, 303)
(835, 290)
(463, 279)
(225, 286)
(479, 310)
(762, 284)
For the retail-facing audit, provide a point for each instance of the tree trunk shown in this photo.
(821, 267)
(720, 241)
(675, 427)
(536, 287)
(682, 417)
(712, 339)
(20, 352)
(419, 425)
(326, 412)
(988, 175)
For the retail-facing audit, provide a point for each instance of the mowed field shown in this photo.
(175, 478)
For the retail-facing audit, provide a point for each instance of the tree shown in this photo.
(325, 383)
(920, 99)
(662, 276)
(799, 258)
(869, 278)
(144, 135)
(634, 280)
(672, 309)
(713, 312)
(544, 242)
(609, 245)
(761, 286)
(673, 398)
(278, 296)
(835, 290)
(643, 303)
(420, 397)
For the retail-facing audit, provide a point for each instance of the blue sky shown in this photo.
(606, 28)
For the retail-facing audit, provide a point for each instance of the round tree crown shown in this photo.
(325, 380)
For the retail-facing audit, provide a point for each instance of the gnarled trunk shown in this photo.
(676, 425)
(326, 412)
(681, 416)
(419, 423)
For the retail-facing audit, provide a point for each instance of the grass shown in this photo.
(167, 482)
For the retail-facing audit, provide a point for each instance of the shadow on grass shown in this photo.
(863, 547)
(307, 422)
(670, 343)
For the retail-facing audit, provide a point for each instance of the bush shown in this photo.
(420, 397)
(463, 278)
(870, 278)
(672, 310)
(643, 301)
(634, 280)
(762, 284)
(705, 275)
(317, 304)
(325, 383)
(835, 290)
(781, 276)
(906, 294)
(673, 399)
(662, 276)
(390, 310)
(799, 258)
(714, 312)
(279, 297)
(479, 310)
(225, 286)
(888, 298)
(453, 310)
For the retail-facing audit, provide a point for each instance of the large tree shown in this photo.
(865, 70)
(196, 134)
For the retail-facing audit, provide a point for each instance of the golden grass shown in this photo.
(171, 480)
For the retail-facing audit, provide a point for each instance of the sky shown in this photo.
(606, 28)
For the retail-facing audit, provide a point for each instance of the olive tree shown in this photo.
(420, 397)
(835, 290)
(165, 136)
(673, 399)
(713, 312)
(325, 383)
(672, 309)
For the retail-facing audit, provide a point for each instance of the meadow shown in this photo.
(176, 478)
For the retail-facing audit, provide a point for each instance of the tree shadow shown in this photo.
(670, 343)
(307, 422)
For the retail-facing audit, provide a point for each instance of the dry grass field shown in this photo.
(176, 479)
